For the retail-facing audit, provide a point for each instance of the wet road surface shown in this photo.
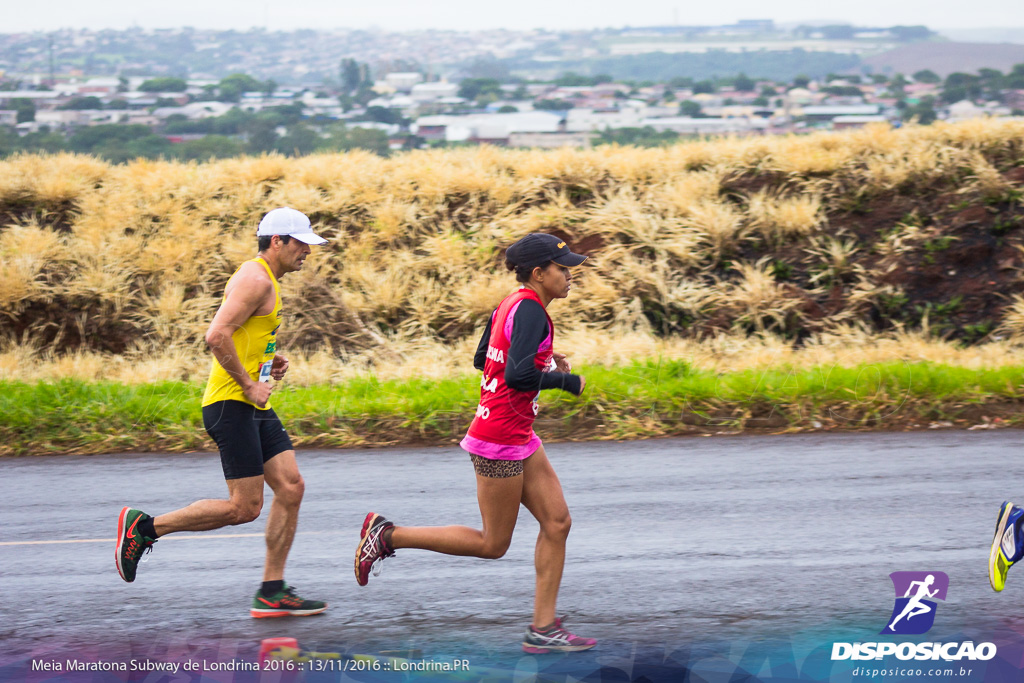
(674, 541)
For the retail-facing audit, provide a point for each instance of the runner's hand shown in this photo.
(259, 393)
(561, 364)
(279, 367)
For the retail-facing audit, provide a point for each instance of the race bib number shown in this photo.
(265, 370)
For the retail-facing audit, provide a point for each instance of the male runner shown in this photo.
(254, 447)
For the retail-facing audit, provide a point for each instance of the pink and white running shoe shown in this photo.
(554, 639)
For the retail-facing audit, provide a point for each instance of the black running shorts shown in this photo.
(246, 437)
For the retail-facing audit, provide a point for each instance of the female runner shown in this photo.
(516, 356)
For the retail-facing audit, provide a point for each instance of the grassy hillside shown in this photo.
(872, 246)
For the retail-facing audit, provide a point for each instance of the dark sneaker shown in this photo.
(130, 542)
(1007, 544)
(554, 639)
(372, 548)
(284, 603)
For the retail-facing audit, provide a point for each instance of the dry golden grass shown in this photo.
(844, 346)
(126, 264)
(780, 218)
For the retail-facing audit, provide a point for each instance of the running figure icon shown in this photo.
(915, 607)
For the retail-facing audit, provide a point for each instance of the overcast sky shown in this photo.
(403, 15)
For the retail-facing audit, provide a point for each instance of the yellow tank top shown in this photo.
(256, 342)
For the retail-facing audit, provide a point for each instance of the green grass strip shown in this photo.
(641, 399)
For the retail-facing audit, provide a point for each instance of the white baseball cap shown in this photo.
(288, 221)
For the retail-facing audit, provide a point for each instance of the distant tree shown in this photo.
(119, 143)
(960, 86)
(639, 137)
(760, 101)
(354, 75)
(703, 87)
(843, 90)
(680, 82)
(744, 83)
(1015, 79)
(553, 105)
(299, 141)
(837, 32)
(384, 115)
(690, 108)
(769, 91)
(909, 33)
(572, 79)
(369, 139)
(879, 79)
(26, 109)
(164, 85)
(603, 78)
(342, 139)
(231, 87)
(282, 115)
(472, 88)
(42, 141)
(262, 136)
(923, 111)
(9, 141)
(801, 81)
(507, 109)
(992, 82)
(81, 103)
(208, 147)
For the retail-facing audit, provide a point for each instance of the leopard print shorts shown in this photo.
(496, 469)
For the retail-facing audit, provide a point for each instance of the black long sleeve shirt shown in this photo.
(529, 329)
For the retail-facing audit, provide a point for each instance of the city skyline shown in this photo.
(407, 15)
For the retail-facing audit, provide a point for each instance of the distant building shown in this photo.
(830, 112)
(597, 119)
(845, 122)
(496, 128)
(429, 92)
(404, 80)
(685, 125)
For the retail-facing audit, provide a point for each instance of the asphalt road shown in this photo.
(675, 542)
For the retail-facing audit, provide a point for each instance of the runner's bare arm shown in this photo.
(244, 296)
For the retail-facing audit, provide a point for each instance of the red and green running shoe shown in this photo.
(284, 603)
(131, 544)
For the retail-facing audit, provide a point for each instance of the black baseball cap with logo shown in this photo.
(538, 248)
